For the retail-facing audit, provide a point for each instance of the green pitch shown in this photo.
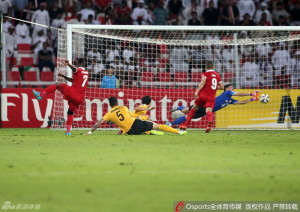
(106, 172)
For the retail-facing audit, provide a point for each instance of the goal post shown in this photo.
(165, 62)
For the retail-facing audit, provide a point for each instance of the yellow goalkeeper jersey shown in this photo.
(120, 116)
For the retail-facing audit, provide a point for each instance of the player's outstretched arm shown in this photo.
(67, 63)
(140, 108)
(64, 76)
(254, 93)
(95, 127)
(246, 101)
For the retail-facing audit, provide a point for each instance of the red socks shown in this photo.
(69, 123)
(49, 89)
(209, 115)
(190, 116)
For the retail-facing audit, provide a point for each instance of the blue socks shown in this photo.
(179, 120)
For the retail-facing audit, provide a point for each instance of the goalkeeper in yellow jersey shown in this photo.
(121, 116)
(141, 110)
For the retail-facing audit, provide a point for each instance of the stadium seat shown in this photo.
(47, 76)
(181, 77)
(163, 62)
(13, 76)
(24, 47)
(27, 61)
(11, 61)
(147, 76)
(196, 77)
(164, 76)
(30, 76)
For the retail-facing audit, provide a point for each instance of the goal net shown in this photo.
(166, 62)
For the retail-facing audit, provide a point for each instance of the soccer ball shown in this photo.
(264, 98)
(176, 114)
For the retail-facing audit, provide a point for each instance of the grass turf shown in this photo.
(107, 172)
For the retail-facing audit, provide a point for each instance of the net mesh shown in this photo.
(167, 65)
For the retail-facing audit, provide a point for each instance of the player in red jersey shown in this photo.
(73, 94)
(205, 95)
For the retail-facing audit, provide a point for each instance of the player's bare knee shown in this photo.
(155, 126)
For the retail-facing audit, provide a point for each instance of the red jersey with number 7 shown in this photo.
(211, 85)
(80, 79)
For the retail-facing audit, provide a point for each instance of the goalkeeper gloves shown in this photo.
(254, 93)
(255, 98)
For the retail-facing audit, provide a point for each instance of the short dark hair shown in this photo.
(146, 100)
(226, 86)
(113, 101)
(209, 64)
(81, 61)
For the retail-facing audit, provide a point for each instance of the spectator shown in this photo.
(194, 21)
(22, 38)
(123, 13)
(197, 58)
(281, 58)
(259, 12)
(111, 53)
(40, 16)
(22, 28)
(76, 20)
(263, 50)
(211, 15)
(58, 22)
(128, 53)
(295, 69)
(45, 58)
(160, 14)
(54, 10)
(96, 68)
(282, 77)
(249, 73)
(91, 20)
(213, 54)
(10, 42)
(265, 72)
(37, 42)
(6, 24)
(230, 14)
(246, 21)
(279, 11)
(179, 59)
(109, 80)
(19, 7)
(187, 13)
(139, 14)
(174, 7)
(246, 6)
(264, 21)
(94, 53)
(295, 15)
(87, 11)
(205, 4)
(6, 7)
(118, 66)
(228, 58)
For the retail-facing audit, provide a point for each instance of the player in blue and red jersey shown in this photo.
(74, 94)
(205, 94)
(222, 101)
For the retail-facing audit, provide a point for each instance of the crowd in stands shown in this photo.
(263, 65)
